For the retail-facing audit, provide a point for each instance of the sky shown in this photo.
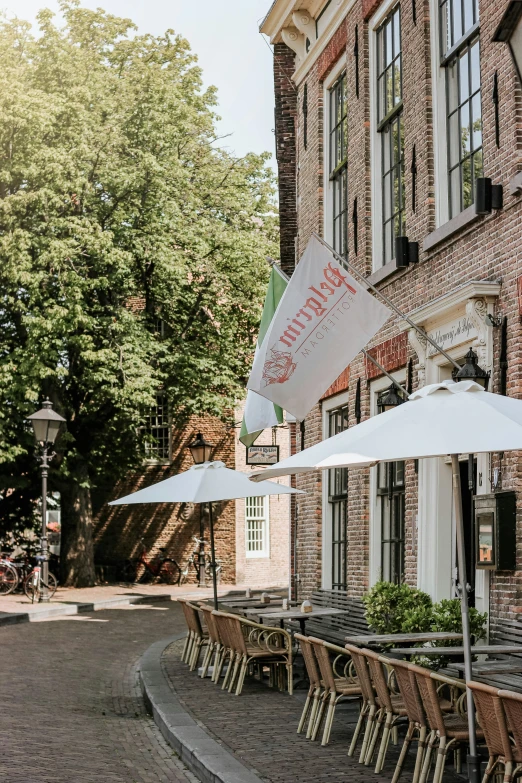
(234, 56)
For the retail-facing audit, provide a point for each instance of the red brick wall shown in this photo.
(391, 354)
(119, 530)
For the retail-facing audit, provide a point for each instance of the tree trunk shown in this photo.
(77, 550)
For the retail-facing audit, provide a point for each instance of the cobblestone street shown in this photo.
(71, 708)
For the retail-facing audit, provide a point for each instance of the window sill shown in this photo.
(464, 219)
(384, 272)
(262, 556)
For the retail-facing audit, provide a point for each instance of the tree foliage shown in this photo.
(117, 208)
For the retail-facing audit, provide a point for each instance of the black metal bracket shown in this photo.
(358, 401)
(413, 179)
(356, 56)
(355, 227)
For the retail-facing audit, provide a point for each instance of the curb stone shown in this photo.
(14, 618)
(205, 757)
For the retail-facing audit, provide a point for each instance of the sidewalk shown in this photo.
(16, 608)
(258, 730)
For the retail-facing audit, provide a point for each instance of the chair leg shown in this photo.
(432, 741)
(228, 675)
(404, 751)
(441, 760)
(319, 718)
(379, 719)
(313, 713)
(197, 650)
(383, 747)
(306, 709)
(421, 748)
(232, 680)
(290, 675)
(206, 660)
(329, 719)
(508, 772)
(187, 650)
(368, 732)
(219, 663)
(357, 731)
(242, 673)
(187, 639)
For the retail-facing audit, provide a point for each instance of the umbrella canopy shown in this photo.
(440, 419)
(206, 483)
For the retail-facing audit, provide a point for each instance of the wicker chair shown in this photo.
(214, 643)
(225, 633)
(370, 706)
(391, 704)
(417, 722)
(254, 643)
(512, 703)
(336, 686)
(448, 730)
(197, 637)
(314, 691)
(493, 722)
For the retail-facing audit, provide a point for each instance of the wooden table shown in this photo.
(508, 666)
(237, 599)
(377, 640)
(262, 609)
(251, 604)
(486, 649)
(302, 617)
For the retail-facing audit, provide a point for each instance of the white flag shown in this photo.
(323, 320)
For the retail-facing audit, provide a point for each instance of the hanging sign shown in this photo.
(262, 455)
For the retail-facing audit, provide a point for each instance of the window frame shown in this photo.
(152, 456)
(264, 552)
(329, 83)
(380, 127)
(328, 406)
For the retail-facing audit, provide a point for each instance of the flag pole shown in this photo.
(273, 263)
(387, 300)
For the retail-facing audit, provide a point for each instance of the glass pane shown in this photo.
(476, 111)
(464, 76)
(467, 195)
(454, 139)
(396, 32)
(454, 177)
(389, 250)
(387, 197)
(457, 20)
(465, 130)
(399, 473)
(478, 167)
(386, 569)
(452, 86)
(388, 32)
(389, 91)
(475, 66)
(385, 519)
(469, 20)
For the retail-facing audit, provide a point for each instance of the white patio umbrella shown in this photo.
(205, 483)
(440, 419)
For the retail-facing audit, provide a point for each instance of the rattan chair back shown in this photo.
(195, 618)
(378, 678)
(363, 674)
(310, 660)
(323, 659)
(430, 697)
(223, 628)
(409, 691)
(512, 703)
(211, 623)
(492, 719)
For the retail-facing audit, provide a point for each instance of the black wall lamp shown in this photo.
(390, 398)
(488, 196)
(472, 371)
(406, 252)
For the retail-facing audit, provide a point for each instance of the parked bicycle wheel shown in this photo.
(33, 586)
(8, 578)
(170, 572)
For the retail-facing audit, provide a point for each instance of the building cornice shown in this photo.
(440, 307)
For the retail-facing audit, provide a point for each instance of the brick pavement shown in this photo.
(71, 707)
(259, 728)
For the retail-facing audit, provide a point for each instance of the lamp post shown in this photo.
(46, 425)
(510, 31)
(201, 452)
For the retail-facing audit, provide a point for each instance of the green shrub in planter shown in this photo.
(392, 608)
(446, 616)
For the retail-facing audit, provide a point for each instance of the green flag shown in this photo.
(260, 413)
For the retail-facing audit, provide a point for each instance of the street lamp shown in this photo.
(510, 31)
(201, 452)
(46, 425)
(472, 371)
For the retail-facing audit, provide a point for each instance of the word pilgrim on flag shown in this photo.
(322, 322)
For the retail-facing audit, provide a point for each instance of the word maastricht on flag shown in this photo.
(323, 320)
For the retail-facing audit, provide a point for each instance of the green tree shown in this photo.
(117, 207)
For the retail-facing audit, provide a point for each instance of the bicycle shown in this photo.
(162, 567)
(34, 584)
(193, 560)
(8, 578)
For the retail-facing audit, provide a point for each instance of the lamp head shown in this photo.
(390, 399)
(46, 424)
(200, 449)
(472, 371)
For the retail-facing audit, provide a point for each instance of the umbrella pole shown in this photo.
(213, 555)
(473, 758)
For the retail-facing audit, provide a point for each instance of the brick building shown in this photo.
(388, 114)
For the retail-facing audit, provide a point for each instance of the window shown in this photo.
(338, 145)
(460, 53)
(157, 430)
(338, 502)
(391, 128)
(391, 497)
(256, 516)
